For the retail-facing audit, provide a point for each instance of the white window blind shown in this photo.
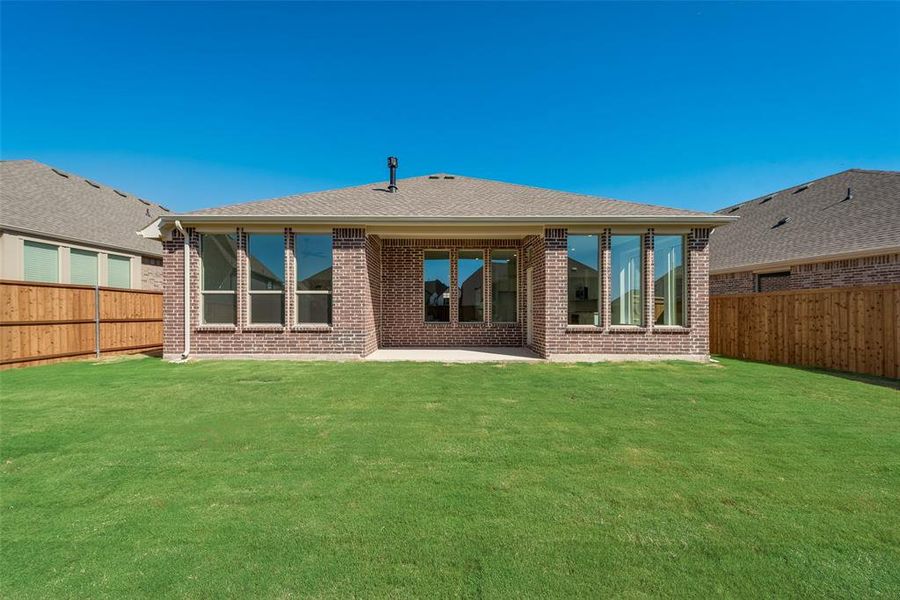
(41, 262)
(83, 267)
(118, 271)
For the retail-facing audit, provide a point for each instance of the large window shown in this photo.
(314, 283)
(118, 271)
(625, 285)
(668, 279)
(584, 280)
(41, 262)
(218, 278)
(82, 267)
(266, 256)
(437, 286)
(504, 281)
(470, 275)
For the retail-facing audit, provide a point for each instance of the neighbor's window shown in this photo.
(218, 278)
(266, 255)
(41, 262)
(625, 285)
(314, 281)
(82, 267)
(118, 271)
(584, 280)
(436, 273)
(470, 267)
(668, 279)
(504, 281)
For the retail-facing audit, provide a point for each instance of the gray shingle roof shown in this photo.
(820, 221)
(37, 198)
(439, 196)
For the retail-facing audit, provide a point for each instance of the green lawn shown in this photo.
(274, 479)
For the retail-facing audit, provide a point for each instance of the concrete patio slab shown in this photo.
(454, 355)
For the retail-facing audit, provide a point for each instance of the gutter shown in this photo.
(187, 290)
(699, 220)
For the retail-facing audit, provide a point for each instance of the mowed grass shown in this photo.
(139, 478)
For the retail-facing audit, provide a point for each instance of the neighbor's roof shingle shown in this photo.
(40, 199)
(822, 222)
(438, 196)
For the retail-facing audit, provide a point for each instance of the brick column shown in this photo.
(352, 310)
(290, 279)
(698, 289)
(605, 279)
(243, 281)
(555, 288)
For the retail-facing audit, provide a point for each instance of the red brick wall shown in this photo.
(871, 270)
(562, 338)
(378, 301)
(403, 322)
(352, 330)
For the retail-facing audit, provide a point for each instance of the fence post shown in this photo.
(97, 318)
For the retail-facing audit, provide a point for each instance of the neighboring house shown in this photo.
(841, 230)
(58, 227)
(436, 261)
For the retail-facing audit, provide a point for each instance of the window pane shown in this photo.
(83, 267)
(219, 308)
(471, 285)
(118, 271)
(314, 308)
(219, 258)
(267, 308)
(503, 286)
(313, 254)
(625, 287)
(41, 262)
(266, 255)
(584, 280)
(437, 286)
(668, 277)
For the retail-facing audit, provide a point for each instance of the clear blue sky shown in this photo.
(692, 105)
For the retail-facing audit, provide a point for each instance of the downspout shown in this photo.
(187, 290)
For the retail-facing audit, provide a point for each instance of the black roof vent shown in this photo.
(781, 222)
(434, 177)
(849, 194)
(734, 210)
(60, 173)
(392, 167)
(800, 189)
(164, 208)
(449, 177)
(766, 199)
(144, 201)
(91, 183)
(124, 195)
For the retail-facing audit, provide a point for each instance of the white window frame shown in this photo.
(684, 277)
(298, 292)
(518, 299)
(251, 292)
(600, 242)
(484, 252)
(449, 288)
(203, 292)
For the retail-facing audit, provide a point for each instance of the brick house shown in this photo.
(839, 231)
(58, 227)
(436, 261)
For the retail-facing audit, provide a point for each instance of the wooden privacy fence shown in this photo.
(846, 329)
(50, 322)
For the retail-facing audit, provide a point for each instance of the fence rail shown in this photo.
(846, 329)
(47, 322)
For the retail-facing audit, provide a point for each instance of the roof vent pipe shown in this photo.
(849, 194)
(392, 165)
